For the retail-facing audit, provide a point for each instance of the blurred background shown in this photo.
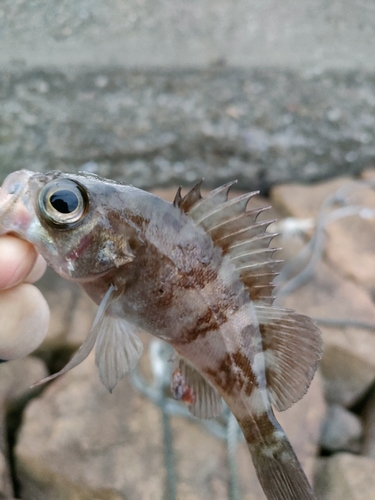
(158, 93)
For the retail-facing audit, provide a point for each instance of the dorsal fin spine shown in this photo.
(257, 228)
(178, 198)
(255, 212)
(234, 206)
(190, 198)
(213, 199)
(236, 231)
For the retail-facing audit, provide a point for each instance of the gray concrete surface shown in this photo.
(300, 34)
(165, 91)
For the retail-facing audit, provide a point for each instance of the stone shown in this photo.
(368, 175)
(349, 241)
(303, 422)
(16, 377)
(368, 415)
(15, 380)
(72, 314)
(6, 487)
(331, 293)
(345, 476)
(342, 431)
(348, 365)
(78, 440)
(297, 200)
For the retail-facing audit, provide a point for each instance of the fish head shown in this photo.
(69, 218)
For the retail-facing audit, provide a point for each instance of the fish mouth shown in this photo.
(15, 210)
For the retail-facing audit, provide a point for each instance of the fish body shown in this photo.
(196, 273)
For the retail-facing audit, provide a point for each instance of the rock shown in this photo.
(297, 200)
(6, 487)
(303, 422)
(368, 175)
(72, 314)
(15, 380)
(368, 414)
(348, 364)
(350, 245)
(78, 440)
(16, 377)
(342, 431)
(345, 476)
(349, 241)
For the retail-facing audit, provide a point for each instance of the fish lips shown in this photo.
(16, 212)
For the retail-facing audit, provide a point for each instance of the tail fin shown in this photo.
(277, 467)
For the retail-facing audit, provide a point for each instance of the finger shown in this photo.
(24, 322)
(37, 271)
(17, 258)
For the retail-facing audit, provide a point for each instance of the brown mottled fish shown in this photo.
(196, 273)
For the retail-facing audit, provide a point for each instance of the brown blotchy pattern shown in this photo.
(197, 278)
(223, 305)
(204, 324)
(234, 372)
(211, 321)
(255, 432)
(243, 363)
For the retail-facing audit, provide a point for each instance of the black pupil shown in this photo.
(64, 201)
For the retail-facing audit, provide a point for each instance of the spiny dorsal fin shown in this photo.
(211, 201)
(237, 232)
(190, 199)
(292, 348)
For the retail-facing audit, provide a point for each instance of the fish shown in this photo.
(196, 273)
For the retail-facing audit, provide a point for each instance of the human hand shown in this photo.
(24, 313)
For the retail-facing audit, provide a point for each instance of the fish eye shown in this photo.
(63, 203)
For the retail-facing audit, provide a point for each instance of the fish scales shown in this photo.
(197, 274)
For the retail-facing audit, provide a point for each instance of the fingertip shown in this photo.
(37, 271)
(25, 319)
(17, 260)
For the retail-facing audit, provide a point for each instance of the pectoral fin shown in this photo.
(90, 340)
(118, 349)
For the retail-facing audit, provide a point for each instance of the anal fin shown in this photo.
(190, 386)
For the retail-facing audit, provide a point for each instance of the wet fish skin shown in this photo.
(177, 271)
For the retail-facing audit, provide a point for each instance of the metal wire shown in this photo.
(232, 439)
(288, 280)
(226, 427)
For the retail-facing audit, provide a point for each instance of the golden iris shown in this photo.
(63, 203)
